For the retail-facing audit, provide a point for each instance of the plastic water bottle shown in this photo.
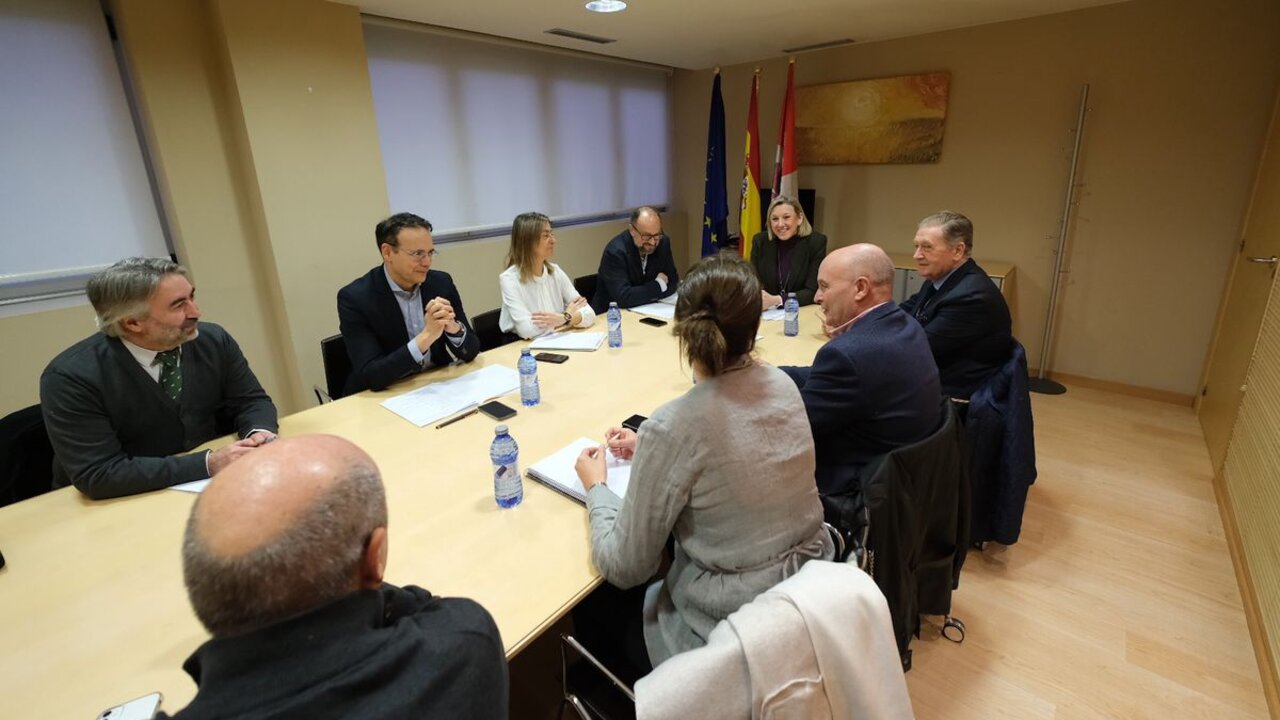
(530, 395)
(791, 316)
(508, 488)
(615, 325)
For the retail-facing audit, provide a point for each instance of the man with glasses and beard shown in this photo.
(637, 266)
(402, 317)
(119, 406)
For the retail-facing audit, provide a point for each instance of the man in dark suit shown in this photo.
(283, 560)
(402, 317)
(119, 405)
(873, 387)
(962, 311)
(637, 266)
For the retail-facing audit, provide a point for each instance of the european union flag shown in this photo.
(715, 204)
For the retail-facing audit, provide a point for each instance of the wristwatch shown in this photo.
(568, 319)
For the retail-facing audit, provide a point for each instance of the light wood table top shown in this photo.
(94, 608)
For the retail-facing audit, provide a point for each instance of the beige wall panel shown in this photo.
(301, 86)
(30, 342)
(179, 79)
(1181, 92)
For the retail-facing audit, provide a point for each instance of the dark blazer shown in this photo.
(620, 279)
(870, 390)
(968, 324)
(1002, 446)
(115, 432)
(806, 256)
(371, 324)
(388, 653)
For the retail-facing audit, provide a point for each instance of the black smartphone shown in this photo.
(497, 410)
(633, 423)
(653, 321)
(550, 357)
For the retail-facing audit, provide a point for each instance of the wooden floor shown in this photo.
(1119, 601)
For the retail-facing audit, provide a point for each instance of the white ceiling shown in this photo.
(696, 34)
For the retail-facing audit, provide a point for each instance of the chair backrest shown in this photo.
(917, 504)
(1002, 449)
(818, 644)
(337, 365)
(26, 457)
(586, 286)
(486, 328)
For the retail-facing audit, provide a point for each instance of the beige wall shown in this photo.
(1181, 92)
(260, 121)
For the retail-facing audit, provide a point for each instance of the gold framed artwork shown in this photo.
(887, 120)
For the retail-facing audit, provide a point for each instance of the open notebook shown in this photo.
(584, 341)
(557, 473)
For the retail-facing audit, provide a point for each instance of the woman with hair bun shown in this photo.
(728, 468)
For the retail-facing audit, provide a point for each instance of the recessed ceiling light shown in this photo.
(606, 6)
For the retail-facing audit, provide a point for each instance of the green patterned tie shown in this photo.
(170, 373)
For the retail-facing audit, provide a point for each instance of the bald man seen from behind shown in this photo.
(283, 561)
(874, 386)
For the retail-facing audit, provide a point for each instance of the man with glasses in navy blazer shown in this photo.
(637, 266)
(402, 317)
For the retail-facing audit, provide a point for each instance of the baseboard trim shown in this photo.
(1267, 668)
(1132, 390)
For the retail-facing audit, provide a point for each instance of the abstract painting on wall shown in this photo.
(889, 120)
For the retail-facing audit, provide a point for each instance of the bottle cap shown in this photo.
(500, 429)
(613, 304)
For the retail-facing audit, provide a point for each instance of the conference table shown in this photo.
(93, 608)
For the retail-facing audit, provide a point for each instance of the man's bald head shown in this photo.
(852, 280)
(285, 529)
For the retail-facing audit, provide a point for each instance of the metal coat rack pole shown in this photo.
(1041, 382)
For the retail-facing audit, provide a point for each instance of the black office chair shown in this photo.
(26, 457)
(337, 367)
(486, 328)
(586, 286)
(907, 525)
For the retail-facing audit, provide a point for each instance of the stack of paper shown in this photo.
(660, 309)
(438, 400)
(557, 473)
(569, 341)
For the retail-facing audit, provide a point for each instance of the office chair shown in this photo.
(485, 326)
(586, 286)
(908, 526)
(26, 457)
(818, 644)
(337, 366)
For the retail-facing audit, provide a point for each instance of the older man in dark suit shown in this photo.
(402, 317)
(155, 382)
(637, 266)
(960, 308)
(873, 387)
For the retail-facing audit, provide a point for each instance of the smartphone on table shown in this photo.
(653, 321)
(497, 410)
(556, 358)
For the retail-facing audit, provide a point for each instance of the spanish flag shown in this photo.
(749, 207)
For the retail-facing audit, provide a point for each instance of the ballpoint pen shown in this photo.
(456, 418)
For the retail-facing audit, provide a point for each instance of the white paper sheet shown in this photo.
(556, 471)
(439, 400)
(660, 309)
(195, 486)
(773, 314)
(586, 342)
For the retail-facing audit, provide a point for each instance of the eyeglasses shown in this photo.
(656, 237)
(420, 255)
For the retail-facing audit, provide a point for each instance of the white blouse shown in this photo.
(552, 292)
